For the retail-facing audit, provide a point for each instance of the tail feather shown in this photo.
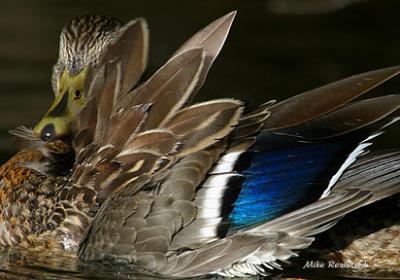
(372, 114)
(327, 98)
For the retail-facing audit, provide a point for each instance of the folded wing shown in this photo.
(187, 190)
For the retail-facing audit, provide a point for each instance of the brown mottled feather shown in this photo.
(131, 49)
(204, 124)
(123, 125)
(252, 122)
(107, 99)
(211, 39)
(170, 87)
(161, 141)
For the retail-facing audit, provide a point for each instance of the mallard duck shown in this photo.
(137, 175)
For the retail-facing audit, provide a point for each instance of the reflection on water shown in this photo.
(267, 55)
(23, 265)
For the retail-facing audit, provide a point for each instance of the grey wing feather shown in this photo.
(378, 173)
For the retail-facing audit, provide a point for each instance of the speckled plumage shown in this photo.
(187, 190)
(82, 41)
(29, 197)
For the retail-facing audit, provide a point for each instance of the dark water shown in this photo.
(276, 49)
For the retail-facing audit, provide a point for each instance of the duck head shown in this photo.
(82, 43)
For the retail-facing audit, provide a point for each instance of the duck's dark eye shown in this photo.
(77, 94)
(48, 132)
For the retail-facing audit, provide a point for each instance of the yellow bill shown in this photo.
(69, 99)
